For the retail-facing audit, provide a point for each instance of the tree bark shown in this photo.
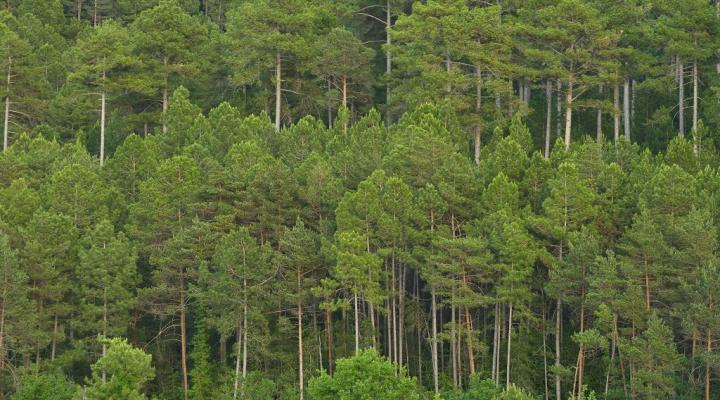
(568, 113)
(434, 343)
(6, 124)
(558, 323)
(616, 113)
(238, 356)
(357, 325)
(388, 59)
(681, 96)
(183, 336)
(548, 117)
(301, 371)
(278, 90)
(626, 108)
(329, 335)
(695, 97)
(509, 346)
(102, 128)
(707, 366)
(478, 105)
(559, 108)
(2, 328)
(470, 347)
(54, 338)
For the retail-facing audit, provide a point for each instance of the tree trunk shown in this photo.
(509, 346)
(278, 90)
(626, 108)
(2, 329)
(238, 356)
(496, 332)
(478, 105)
(301, 371)
(183, 336)
(646, 277)
(559, 108)
(707, 366)
(357, 325)
(434, 343)
(388, 59)
(548, 116)
(471, 349)
(102, 128)
(581, 352)
(6, 124)
(558, 323)
(329, 334)
(544, 343)
(616, 113)
(54, 338)
(613, 344)
(681, 96)
(695, 97)
(454, 354)
(568, 113)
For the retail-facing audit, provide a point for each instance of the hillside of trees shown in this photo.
(360, 199)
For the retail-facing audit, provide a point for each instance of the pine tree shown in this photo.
(165, 39)
(107, 277)
(120, 374)
(298, 265)
(239, 266)
(105, 59)
(16, 316)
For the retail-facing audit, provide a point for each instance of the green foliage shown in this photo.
(366, 375)
(120, 374)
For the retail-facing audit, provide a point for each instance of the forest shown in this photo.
(360, 199)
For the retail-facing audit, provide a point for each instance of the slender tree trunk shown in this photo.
(568, 113)
(102, 128)
(183, 336)
(6, 124)
(434, 343)
(478, 108)
(559, 108)
(301, 370)
(104, 328)
(388, 58)
(509, 346)
(646, 275)
(581, 352)
(548, 116)
(402, 343)
(238, 357)
(278, 90)
(357, 325)
(616, 113)
(452, 344)
(681, 96)
(626, 108)
(695, 96)
(54, 338)
(707, 366)
(613, 344)
(470, 347)
(245, 347)
(558, 323)
(2, 328)
(544, 338)
(496, 332)
(329, 334)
